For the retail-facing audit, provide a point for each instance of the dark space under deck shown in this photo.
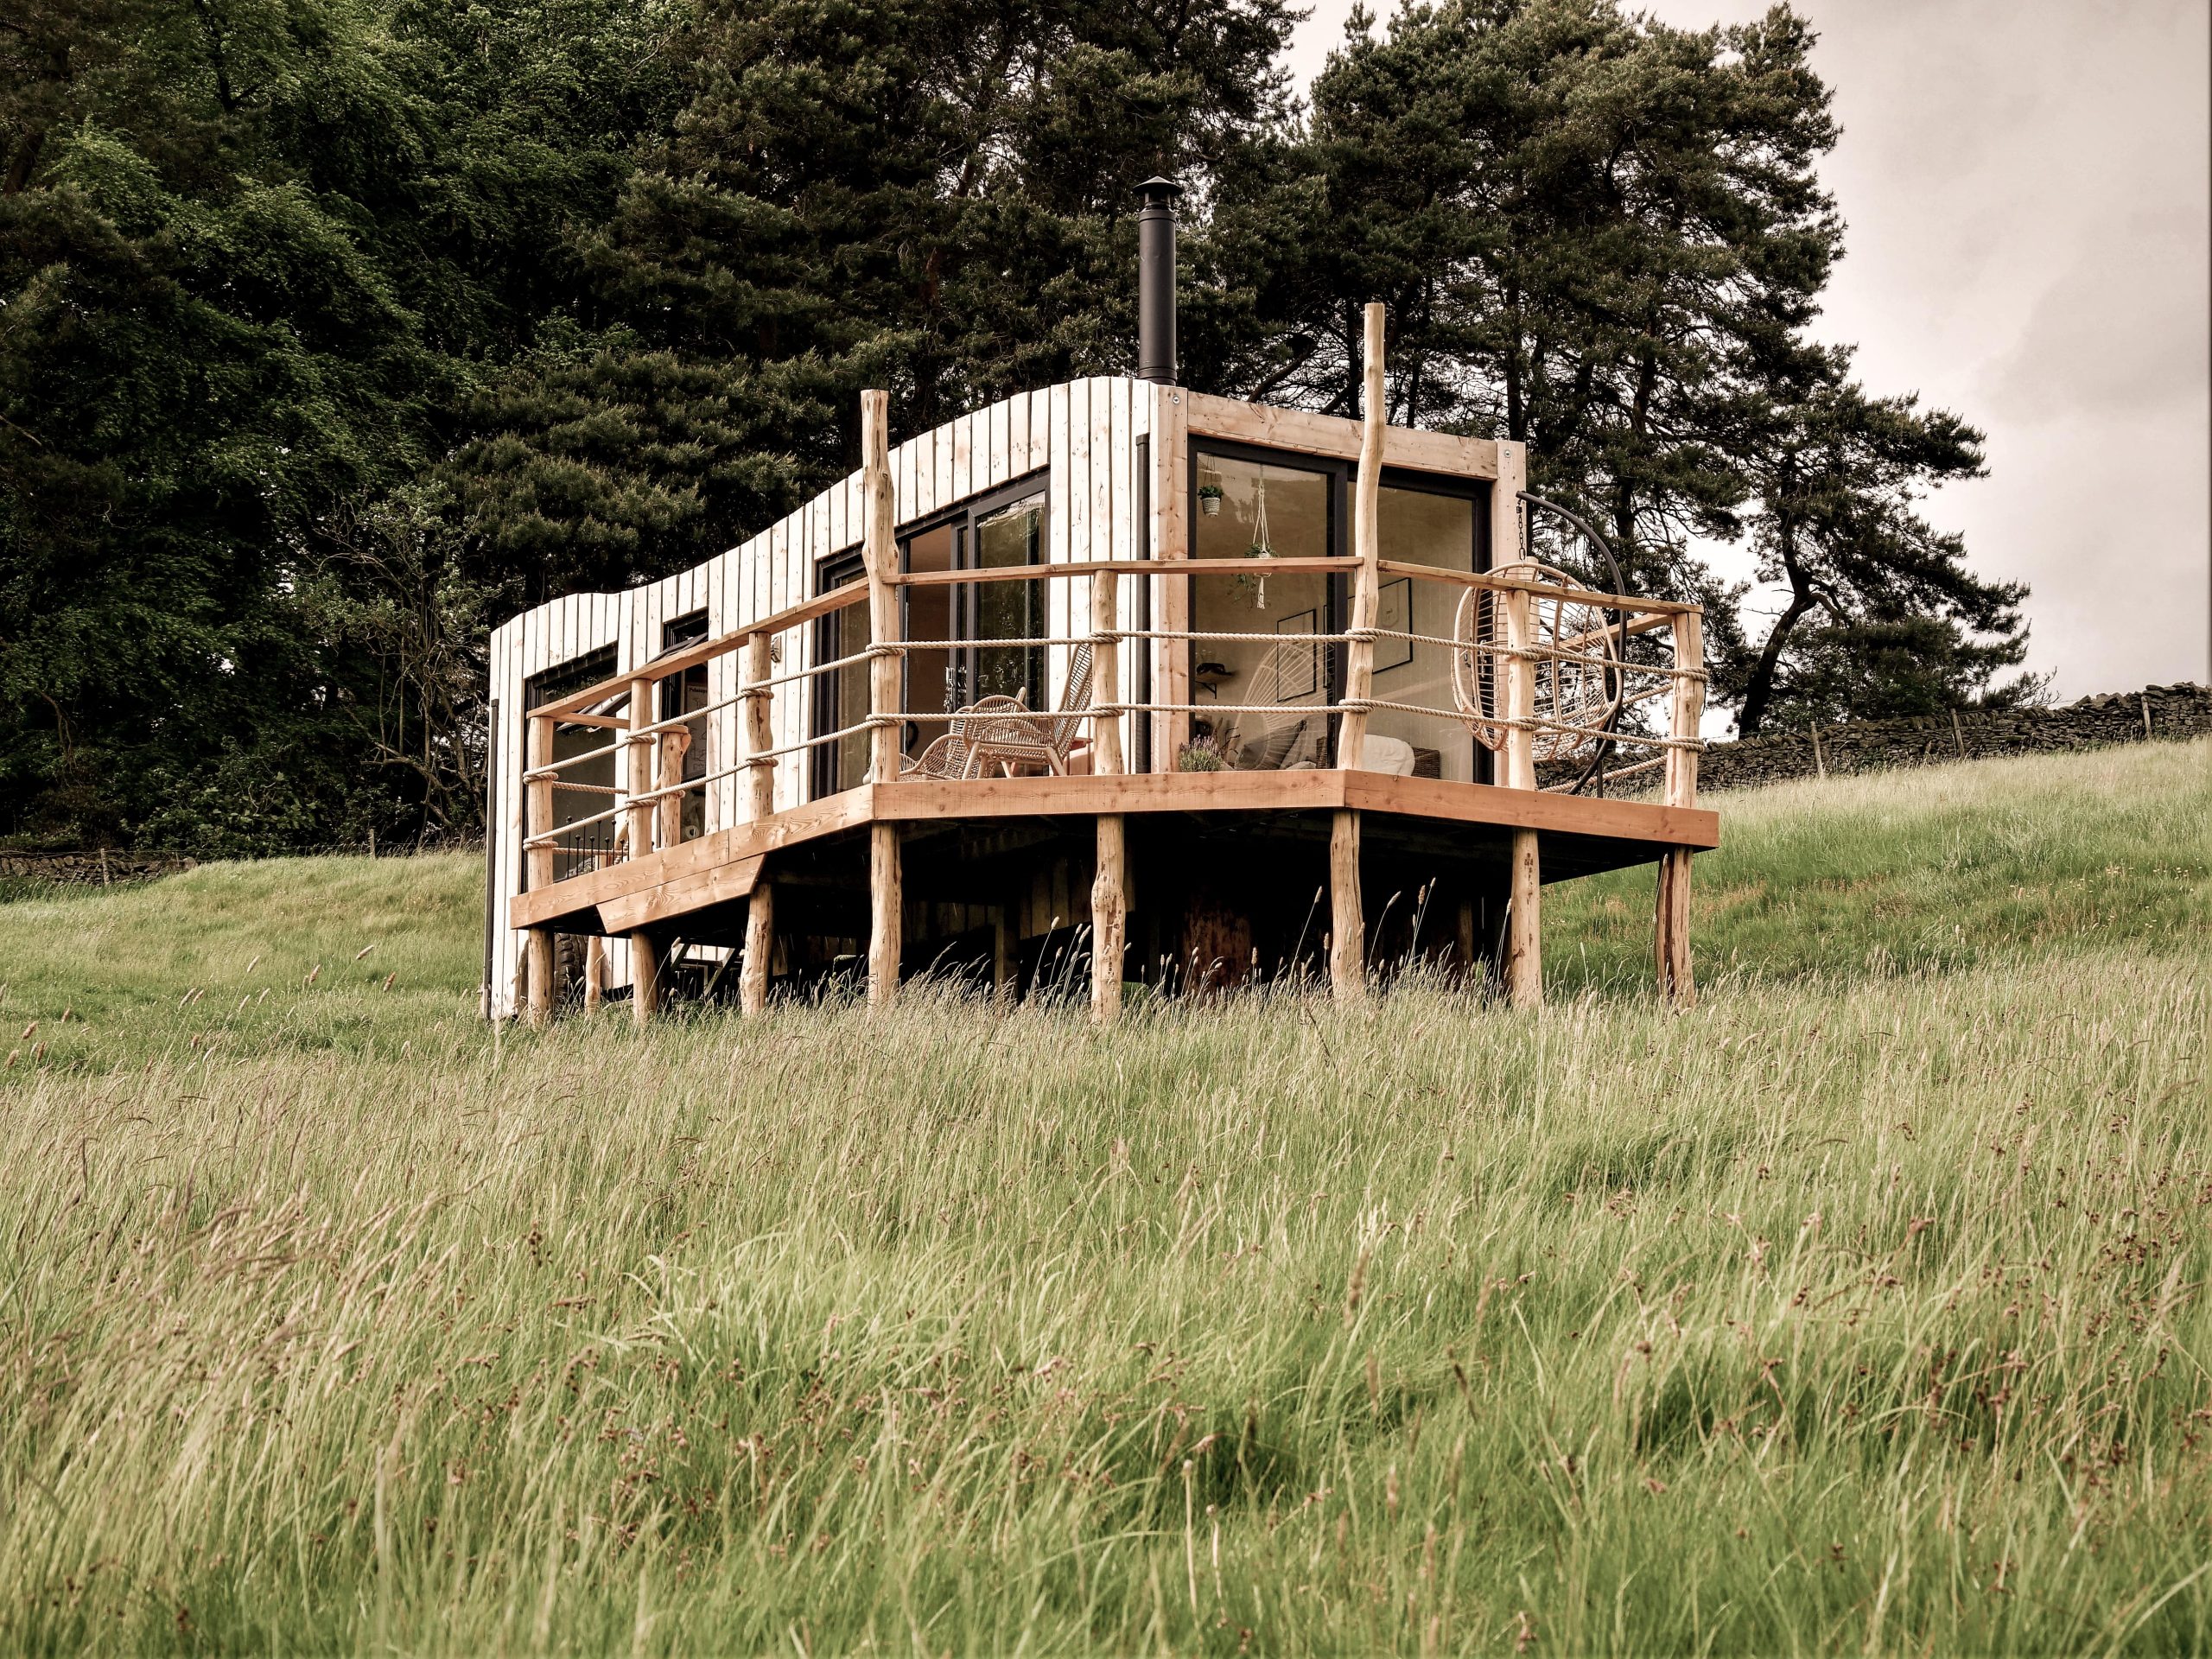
(1224, 872)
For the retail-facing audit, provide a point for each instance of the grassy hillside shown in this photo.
(1863, 1306)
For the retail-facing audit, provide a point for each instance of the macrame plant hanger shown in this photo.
(1262, 543)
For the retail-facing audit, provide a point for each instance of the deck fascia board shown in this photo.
(667, 883)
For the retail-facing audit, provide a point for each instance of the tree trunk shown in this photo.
(1758, 690)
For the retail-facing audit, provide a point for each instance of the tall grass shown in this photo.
(1861, 1307)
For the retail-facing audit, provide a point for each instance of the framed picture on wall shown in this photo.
(1299, 672)
(1394, 610)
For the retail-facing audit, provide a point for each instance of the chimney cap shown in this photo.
(1158, 191)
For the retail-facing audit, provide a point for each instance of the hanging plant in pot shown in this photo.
(1210, 500)
(1263, 547)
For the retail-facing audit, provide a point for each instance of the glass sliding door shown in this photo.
(1006, 537)
(841, 697)
(1438, 523)
(1274, 684)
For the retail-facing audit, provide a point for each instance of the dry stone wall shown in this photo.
(2156, 712)
(95, 867)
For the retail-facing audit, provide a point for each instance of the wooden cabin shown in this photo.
(1111, 682)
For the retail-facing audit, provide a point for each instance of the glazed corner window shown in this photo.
(1273, 689)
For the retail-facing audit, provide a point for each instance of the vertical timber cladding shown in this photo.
(1085, 431)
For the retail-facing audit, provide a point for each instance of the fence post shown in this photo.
(1672, 930)
(879, 552)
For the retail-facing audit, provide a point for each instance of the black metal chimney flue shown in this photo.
(1156, 280)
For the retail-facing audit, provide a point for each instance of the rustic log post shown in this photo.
(645, 975)
(1347, 913)
(1524, 957)
(760, 803)
(594, 973)
(1671, 933)
(1108, 889)
(1524, 965)
(1347, 923)
(879, 553)
(1109, 920)
(540, 952)
(1367, 550)
(674, 746)
(638, 778)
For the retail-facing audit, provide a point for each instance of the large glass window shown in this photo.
(997, 532)
(1273, 686)
(1420, 526)
(840, 697)
(585, 789)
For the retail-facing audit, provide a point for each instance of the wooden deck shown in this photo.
(1449, 822)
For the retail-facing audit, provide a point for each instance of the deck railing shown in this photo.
(1650, 652)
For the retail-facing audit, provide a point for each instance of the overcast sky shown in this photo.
(2025, 186)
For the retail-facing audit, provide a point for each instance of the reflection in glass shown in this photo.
(934, 676)
(845, 633)
(1254, 510)
(1419, 527)
(1011, 610)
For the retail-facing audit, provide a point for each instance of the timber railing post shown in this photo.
(1347, 914)
(1524, 959)
(1109, 887)
(638, 743)
(539, 953)
(672, 746)
(760, 803)
(879, 553)
(1671, 932)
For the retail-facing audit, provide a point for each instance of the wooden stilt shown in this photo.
(594, 973)
(1671, 931)
(1671, 922)
(1524, 953)
(1469, 942)
(1108, 921)
(886, 899)
(1002, 951)
(1347, 922)
(644, 976)
(539, 974)
(758, 970)
(1109, 907)
(880, 554)
(759, 950)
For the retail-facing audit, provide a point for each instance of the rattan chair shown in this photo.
(1003, 735)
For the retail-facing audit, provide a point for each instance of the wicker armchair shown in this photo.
(1003, 734)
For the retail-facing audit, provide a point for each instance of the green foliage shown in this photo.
(251, 256)
(332, 331)
(1851, 1309)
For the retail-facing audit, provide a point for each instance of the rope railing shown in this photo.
(1659, 678)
